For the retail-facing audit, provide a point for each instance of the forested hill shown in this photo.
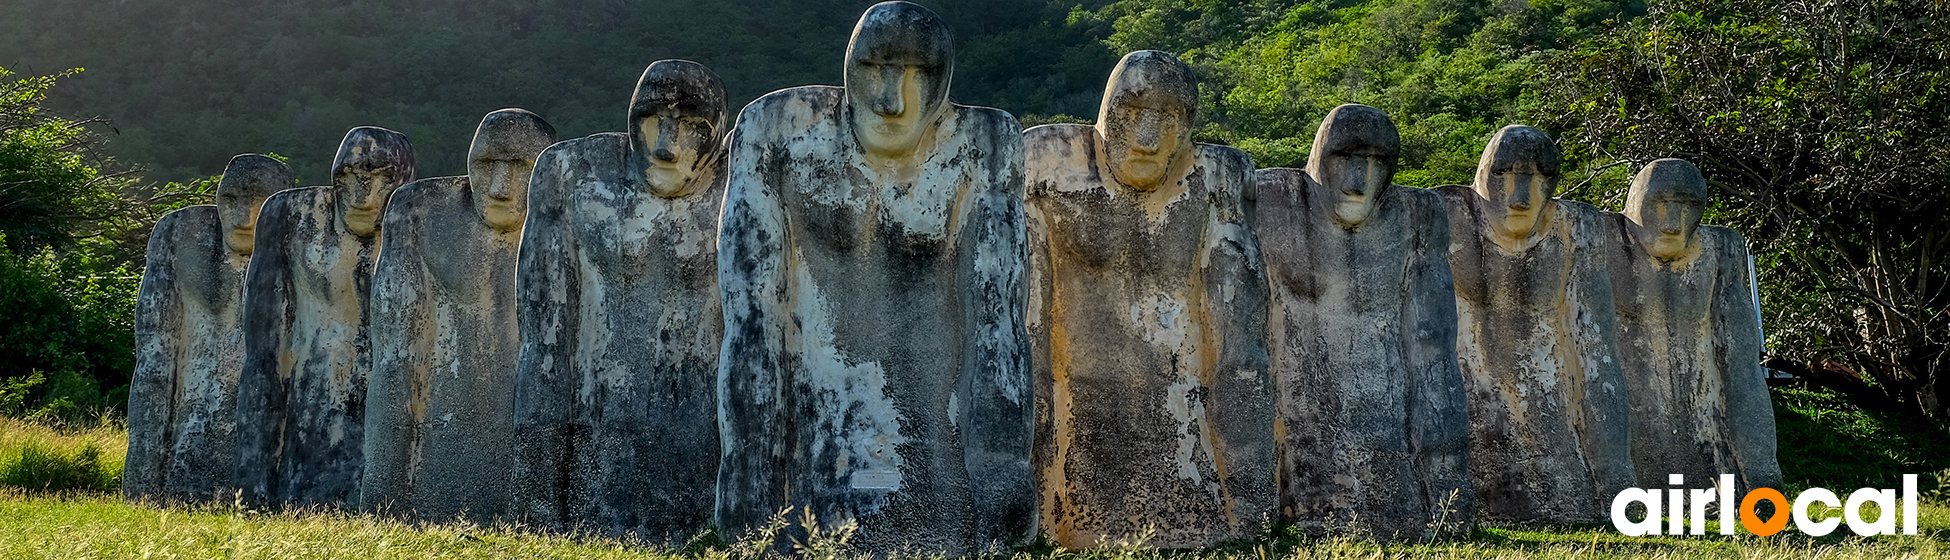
(188, 83)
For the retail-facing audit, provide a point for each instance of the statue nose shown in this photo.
(665, 155)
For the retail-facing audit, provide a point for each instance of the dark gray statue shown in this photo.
(1537, 339)
(1148, 319)
(615, 393)
(876, 368)
(1374, 424)
(440, 401)
(1689, 337)
(301, 400)
(189, 340)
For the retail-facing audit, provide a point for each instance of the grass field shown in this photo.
(57, 501)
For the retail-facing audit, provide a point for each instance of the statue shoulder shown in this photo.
(990, 119)
(430, 191)
(1723, 235)
(1225, 157)
(783, 113)
(1420, 202)
(185, 220)
(300, 199)
(1588, 226)
(1059, 157)
(592, 147)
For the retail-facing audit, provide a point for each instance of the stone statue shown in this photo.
(1538, 341)
(301, 400)
(615, 394)
(1689, 337)
(1374, 424)
(440, 400)
(1148, 323)
(876, 367)
(189, 340)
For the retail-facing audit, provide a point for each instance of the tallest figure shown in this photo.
(875, 366)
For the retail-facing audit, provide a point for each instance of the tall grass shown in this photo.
(54, 456)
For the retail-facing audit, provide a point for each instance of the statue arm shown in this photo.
(1605, 410)
(158, 332)
(753, 268)
(262, 386)
(548, 302)
(997, 397)
(1039, 319)
(1234, 310)
(1737, 347)
(401, 343)
(1438, 415)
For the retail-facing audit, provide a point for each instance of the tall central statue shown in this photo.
(439, 406)
(301, 400)
(1537, 339)
(616, 389)
(1149, 319)
(875, 364)
(1373, 422)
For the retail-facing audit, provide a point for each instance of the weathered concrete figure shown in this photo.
(301, 400)
(1537, 339)
(440, 402)
(1148, 322)
(1689, 337)
(189, 340)
(616, 392)
(875, 363)
(1373, 422)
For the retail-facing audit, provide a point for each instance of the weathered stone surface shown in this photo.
(1689, 337)
(1372, 416)
(616, 394)
(301, 400)
(1148, 321)
(189, 340)
(875, 367)
(1538, 340)
(440, 400)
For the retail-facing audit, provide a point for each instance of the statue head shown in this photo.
(676, 124)
(1146, 117)
(500, 162)
(1518, 176)
(898, 66)
(372, 161)
(1354, 157)
(1664, 205)
(247, 181)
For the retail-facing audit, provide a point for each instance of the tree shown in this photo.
(1825, 127)
(51, 189)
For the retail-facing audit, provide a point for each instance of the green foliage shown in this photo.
(1827, 442)
(70, 317)
(50, 189)
(1449, 72)
(1825, 127)
(54, 455)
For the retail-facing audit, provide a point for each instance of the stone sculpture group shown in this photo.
(867, 304)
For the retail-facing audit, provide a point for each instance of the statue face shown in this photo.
(246, 182)
(371, 163)
(237, 213)
(500, 162)
(364, 186)
(1518, 177)
(1665, 204)
(897, 74)
(1146, 118)
(673, 147)
(1354, 157)
(1143, 135)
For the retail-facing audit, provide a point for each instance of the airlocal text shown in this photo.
(1684, 510)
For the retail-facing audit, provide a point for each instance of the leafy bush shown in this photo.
(69, 322)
